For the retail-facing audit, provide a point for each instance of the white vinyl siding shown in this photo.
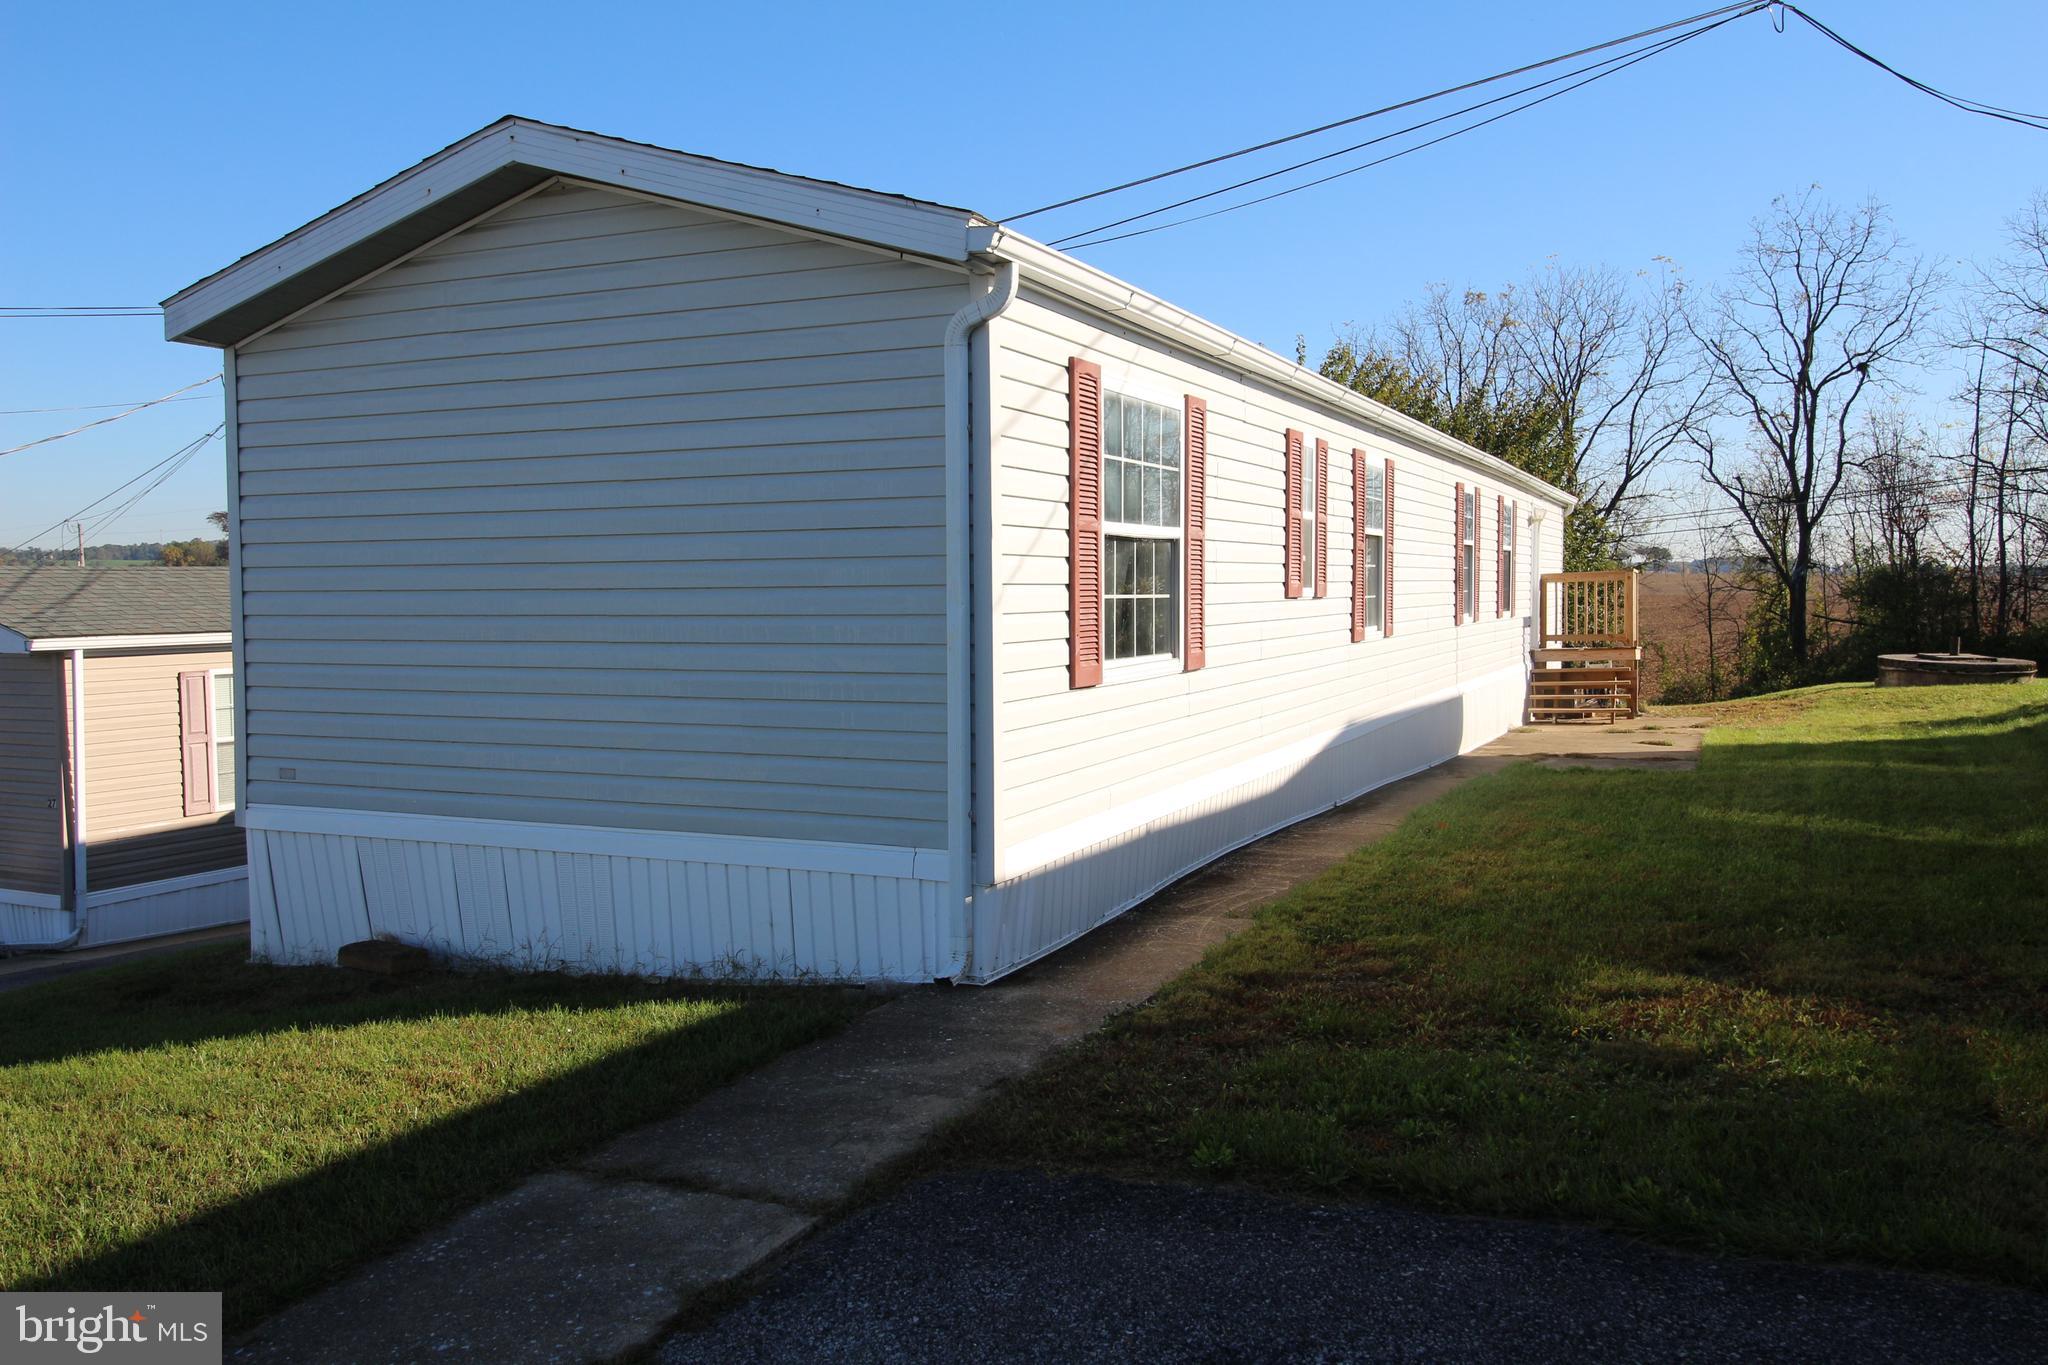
(1278, 671)
(610, 513)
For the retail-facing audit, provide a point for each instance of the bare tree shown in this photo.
(1823, 311)
(1616, 354)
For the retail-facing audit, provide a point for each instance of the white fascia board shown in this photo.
(839, 211)
(213, 639)
(808, 855)
(1126, 304)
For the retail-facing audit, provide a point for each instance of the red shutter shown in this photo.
(1084, 521)
(1357, 546)
(1196, 461)
(1293, 494)
(195, 737)
(1500, 556)
(1458, 558)
(1322, 518)
(1387, 557)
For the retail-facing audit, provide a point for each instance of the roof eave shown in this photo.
(471, 177)
(208, 639)
(1105, 294)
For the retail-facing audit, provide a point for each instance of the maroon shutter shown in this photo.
(1084, 521)
(1387, 557)
(1322, 518)
(1357, 546)
(1293, 493)
(1500, 556)
(1458, 558)
(1196, 461)
(195, 737)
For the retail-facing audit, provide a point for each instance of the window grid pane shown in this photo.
(1141, 460)
(1139, 621)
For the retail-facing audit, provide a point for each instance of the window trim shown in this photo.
(1468, 552)
(1148, 665)
(1375, 621)
(213, 686)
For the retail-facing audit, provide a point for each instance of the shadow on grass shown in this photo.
(214, 992)
(289, 1238)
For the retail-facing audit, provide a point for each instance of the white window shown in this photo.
(1507, 556)
(1141, 513)
(1375, 564)
(1469, 533)
(1311, 470)
(222, 683)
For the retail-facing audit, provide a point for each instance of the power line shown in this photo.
(184, 451)
(102, 421)
(89, 407)
(183, 458)
(2039, 122)
(1650, 49)
(1644, 55)
(1375, 113)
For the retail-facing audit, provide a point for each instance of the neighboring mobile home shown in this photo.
(117, 756)
(646, 562)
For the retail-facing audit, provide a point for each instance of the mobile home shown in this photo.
(117, 756)
(647, 562)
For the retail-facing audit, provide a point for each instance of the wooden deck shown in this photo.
(1587, 661)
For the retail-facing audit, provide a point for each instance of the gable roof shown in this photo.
(53, 606)
(471, 177)
(493, 165)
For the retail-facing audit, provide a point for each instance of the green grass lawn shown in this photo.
(1794, 1003)
(197, 1122)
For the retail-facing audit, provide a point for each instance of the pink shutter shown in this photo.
(1387, 558)
(1458, 558)
(1293, 493)
(1322, 518)
(195, 736)
(1357, 546)
(1196, 462)
(1500, 556)
(1084, 521)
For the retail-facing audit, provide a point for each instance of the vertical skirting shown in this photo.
(26, 917)
(1065, 896)
(174, 906)
(593, 911)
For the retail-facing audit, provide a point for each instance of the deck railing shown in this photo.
(1589, 610)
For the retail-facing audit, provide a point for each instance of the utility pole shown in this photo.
(81, 543)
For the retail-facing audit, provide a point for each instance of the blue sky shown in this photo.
(151, 144)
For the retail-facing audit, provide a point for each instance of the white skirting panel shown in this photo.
(597, 900)
(1081, 877)
(28, 917)
(203, 900)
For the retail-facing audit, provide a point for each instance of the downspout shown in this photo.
(76, 797)
(943, 946)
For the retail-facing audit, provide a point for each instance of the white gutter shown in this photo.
(76, 796)
(945, 950)
(1104, 293)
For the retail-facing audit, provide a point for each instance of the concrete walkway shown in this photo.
(593, 1262)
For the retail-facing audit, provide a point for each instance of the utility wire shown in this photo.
(90, 407)
(184, 452)
(1654, 50)
(100, 526)
(1387, 137)
(1374, 113)
(102, 421)
(2038, 122)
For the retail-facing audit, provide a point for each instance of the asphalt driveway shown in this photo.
(1029, 1267)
